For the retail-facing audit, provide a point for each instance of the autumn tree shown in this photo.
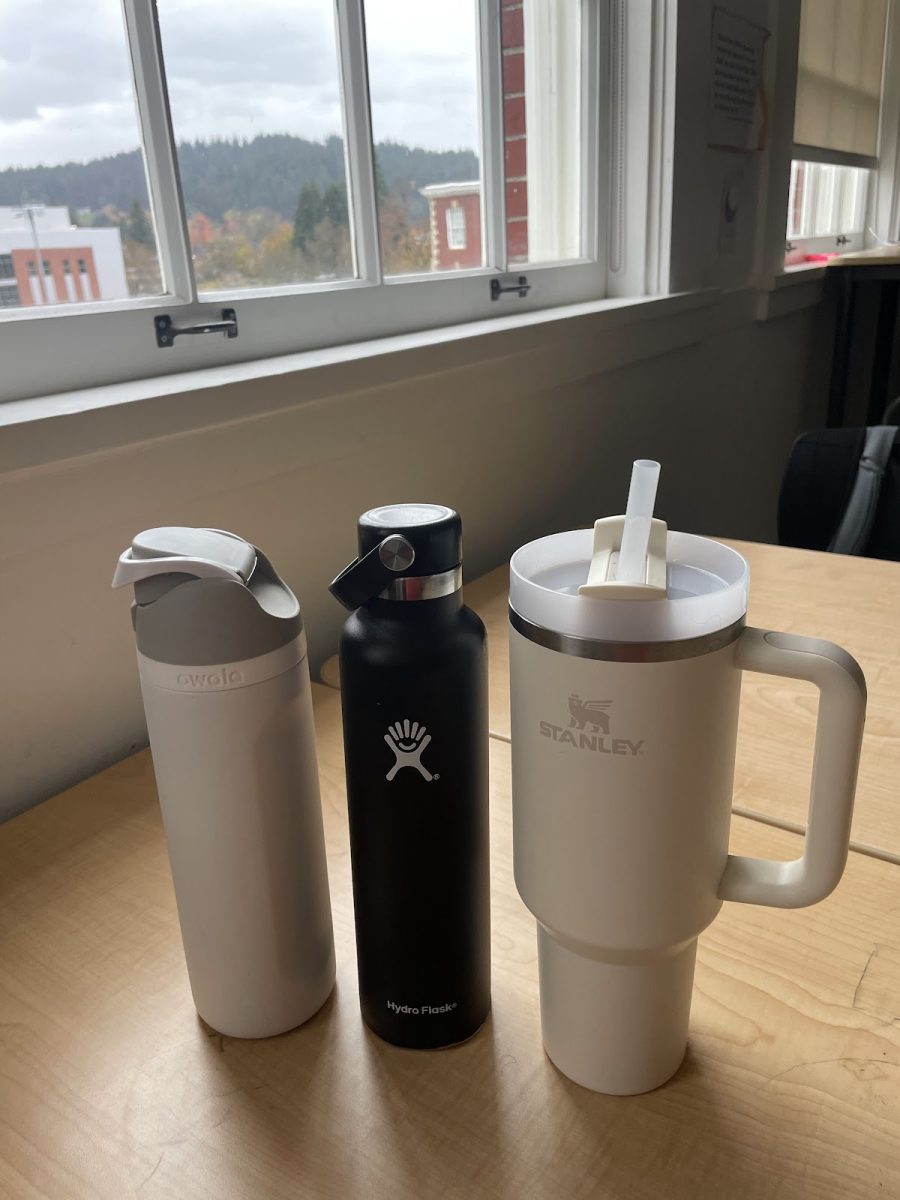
(137, 227)
(310, 211)
(334, 204)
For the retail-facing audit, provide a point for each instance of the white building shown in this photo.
(45, 259)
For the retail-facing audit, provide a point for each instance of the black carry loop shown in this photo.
(841, 491)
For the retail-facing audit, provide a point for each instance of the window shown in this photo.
(7, 271)
(827, 201)
(456, 228)
(290, 161)
(839, 84)
(9, 296)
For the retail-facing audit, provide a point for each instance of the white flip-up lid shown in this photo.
(674, 585)
(204, 553)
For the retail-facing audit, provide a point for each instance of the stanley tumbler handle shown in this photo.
(839, 729)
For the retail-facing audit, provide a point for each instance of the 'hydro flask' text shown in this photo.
(414, 1010)
(590, 741)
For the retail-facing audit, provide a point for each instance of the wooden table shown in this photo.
(854, 602)
(111, 1087)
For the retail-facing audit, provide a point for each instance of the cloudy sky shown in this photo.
(234, 69)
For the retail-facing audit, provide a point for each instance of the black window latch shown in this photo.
(166, 332)
(521, 286)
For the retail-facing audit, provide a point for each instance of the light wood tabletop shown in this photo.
(875, 256)
(854, 602)
(111, 1087)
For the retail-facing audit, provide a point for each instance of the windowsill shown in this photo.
(48, 429)
(801, 285)
(803, 272)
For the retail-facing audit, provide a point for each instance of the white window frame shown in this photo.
(47, 350)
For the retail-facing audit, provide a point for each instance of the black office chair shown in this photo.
(841, 490)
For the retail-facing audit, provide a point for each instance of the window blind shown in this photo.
(839, 75)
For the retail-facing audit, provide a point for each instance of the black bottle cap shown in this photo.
(433, 531)
(399, 541)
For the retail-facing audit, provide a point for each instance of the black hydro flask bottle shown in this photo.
(414, 695)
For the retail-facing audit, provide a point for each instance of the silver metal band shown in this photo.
(423, 587)
(565, 643)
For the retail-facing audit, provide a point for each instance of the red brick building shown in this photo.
(455, 208)
(45, 259)
(63, 276)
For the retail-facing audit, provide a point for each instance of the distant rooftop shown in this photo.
(47, 218)
(436, 190)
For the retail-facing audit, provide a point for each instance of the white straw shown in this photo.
(632, 567)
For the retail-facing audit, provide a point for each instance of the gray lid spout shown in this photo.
(204, 596)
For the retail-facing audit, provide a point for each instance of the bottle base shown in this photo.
(404, 1041)
(620, 1028)
(253, 1028)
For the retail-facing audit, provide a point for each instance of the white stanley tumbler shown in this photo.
(225, 682)
(627, 645)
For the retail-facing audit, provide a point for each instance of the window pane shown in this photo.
(72, 181)
(542, 129)
(423, 82)
(255, 97)
(826, 200)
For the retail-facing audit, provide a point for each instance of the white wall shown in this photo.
(533, 431)
(515, 453)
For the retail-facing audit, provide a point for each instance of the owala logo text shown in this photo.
(408, 740)
(588, 729)
(216, 677)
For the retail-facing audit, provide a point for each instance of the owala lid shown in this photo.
(204, 596)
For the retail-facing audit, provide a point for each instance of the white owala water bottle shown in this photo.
(225, 682)
(626, 651)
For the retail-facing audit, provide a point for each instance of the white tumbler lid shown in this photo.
(706, 590)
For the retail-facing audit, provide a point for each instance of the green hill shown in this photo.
(266, 172)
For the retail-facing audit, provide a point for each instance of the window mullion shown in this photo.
(160, 158)
(490, 104)
(594, 144)
(359, 148)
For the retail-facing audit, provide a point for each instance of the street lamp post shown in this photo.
(28, 212)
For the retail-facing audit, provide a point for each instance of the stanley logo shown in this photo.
(589, 729)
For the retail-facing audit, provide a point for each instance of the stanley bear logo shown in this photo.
(589, 712)
(589, 729)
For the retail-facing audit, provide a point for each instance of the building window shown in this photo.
(67, 267)
(350, 249)
(9, 296)
(456, 228)
(838, 103)
(32, 267)
(47, 268)
(827, 201)
(7, 271)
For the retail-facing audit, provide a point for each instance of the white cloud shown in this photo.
(234, 71)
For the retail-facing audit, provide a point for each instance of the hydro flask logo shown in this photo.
(408, 740)
(219, 677)
(589, 729)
